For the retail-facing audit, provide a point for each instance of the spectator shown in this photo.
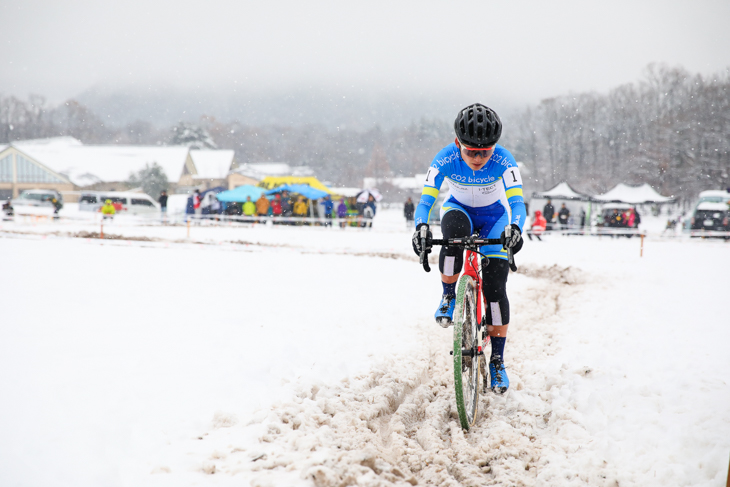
(286, 206)
(342, 212)
(215, 205)
(538, 226)
(249, 209)
(163, 205)
(262, 206)
(8, 212)
(369, 212)
(328, 206)
(108, 210)
(197, 200)
(616, 219)
(582, 217)
(408, 211)
(233, 209)
(548, 211)
(276, 205)
(57, 205)
(300, 208)
(637, 218)
(563, 216)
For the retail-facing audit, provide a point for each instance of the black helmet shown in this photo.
(478, 126)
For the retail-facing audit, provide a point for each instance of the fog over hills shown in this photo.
(332, 107)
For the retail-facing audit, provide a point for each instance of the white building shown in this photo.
(64, 163)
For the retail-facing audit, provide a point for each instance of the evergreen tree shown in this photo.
(152, 179)
(191, 135)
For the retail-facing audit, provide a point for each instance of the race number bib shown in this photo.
(512, 177)
(431, 176)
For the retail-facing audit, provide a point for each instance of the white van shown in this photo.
(124, 202)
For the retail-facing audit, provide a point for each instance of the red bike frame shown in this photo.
(472, 268)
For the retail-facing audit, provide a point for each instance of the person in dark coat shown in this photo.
(563, 216)
(163, 204)
(286, 206)
(548, 211)
(409, 210)
(57, 205)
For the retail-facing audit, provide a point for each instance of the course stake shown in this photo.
(641, 252)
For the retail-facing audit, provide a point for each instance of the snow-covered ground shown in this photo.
(274, 355)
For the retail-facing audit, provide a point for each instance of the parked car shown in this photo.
(710, 196)
(36, 197)
(710, 216)
(124, 202)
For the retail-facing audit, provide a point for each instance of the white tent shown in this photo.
(635, 195)
(562, 191)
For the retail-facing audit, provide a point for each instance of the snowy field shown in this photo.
(277, 356)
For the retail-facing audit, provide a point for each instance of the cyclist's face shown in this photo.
(475, 159)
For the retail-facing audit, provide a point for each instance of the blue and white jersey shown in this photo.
(492, 190)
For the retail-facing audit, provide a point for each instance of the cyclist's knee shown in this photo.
(455, 224)
(494, 284)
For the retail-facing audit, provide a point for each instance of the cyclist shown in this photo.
(485, 196)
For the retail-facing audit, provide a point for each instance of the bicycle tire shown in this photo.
(466, 368)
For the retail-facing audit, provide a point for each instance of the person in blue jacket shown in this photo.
(485, 196)
(328, 206)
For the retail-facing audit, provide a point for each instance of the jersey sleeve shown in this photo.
(513, 190)
(428, 196)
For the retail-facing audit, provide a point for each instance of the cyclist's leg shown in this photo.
(495, 274)
(494, 286)
(455, 223)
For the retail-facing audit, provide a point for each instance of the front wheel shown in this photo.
(466, 352)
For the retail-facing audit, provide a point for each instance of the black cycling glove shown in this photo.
(515, 240)
(417, 239)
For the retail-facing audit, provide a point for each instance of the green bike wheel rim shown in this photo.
(466, 369)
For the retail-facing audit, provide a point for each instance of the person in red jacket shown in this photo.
(538, 226)
(276, 205)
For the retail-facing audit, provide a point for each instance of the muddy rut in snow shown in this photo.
(397, 425)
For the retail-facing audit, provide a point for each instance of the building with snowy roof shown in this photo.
(65, 164)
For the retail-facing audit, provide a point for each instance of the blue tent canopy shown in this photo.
(303, 189)
(240, 194)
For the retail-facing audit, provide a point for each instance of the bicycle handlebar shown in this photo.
(469, 243)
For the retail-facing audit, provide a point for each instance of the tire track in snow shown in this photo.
(398, 425)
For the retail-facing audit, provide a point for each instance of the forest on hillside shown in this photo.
(670, 129)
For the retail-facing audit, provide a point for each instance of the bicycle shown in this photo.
(470, 326)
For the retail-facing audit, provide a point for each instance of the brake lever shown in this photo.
(424, 253)
(510, 255)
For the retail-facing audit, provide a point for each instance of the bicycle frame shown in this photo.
(472, 268)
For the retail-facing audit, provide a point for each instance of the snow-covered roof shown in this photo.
(89, 164)
(261, 170)
(634, 194)
(212, 164)
(562, 191)
(710, 206)
(715, 193)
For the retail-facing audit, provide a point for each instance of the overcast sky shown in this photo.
(516, 51)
